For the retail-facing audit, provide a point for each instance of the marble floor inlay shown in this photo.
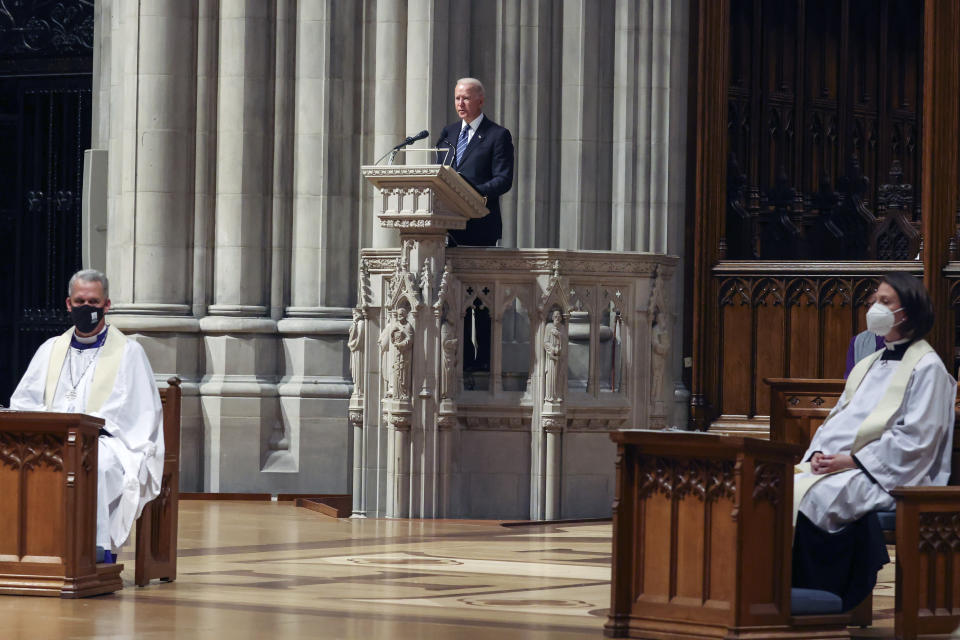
(272, 570)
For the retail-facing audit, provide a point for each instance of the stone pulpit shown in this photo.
(486, 380)
(412, 392)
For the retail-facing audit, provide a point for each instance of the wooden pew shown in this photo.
(156, 545)
(48, 514)
(927, 597)
(48, 480)
(702, 534)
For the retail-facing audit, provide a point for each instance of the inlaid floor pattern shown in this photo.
(272, 570)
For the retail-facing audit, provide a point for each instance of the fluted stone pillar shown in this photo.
(429, 93)
(239, 393)
(389, 93)
(205, 188)
(147, 53)
(315, 384)
(649, 144)
(585, 137)
(383, 126)
(554, 471)
(530, 106)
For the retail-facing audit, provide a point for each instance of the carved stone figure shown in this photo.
(553, 350)
(383, 340)
(449, 346)
(660, 344)
(355, 344)
(401, 346)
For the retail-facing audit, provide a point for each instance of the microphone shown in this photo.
(410, 140)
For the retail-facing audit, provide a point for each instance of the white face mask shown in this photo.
(880, 319)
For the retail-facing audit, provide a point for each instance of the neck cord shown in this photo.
(73, 390)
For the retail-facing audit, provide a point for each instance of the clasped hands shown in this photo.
(826, 463)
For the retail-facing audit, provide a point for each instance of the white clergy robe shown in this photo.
(130, 459)
(914, 450)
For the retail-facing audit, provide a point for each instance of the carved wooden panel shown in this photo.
(928, 560)
(685, 515)
(704, 480)
(799, 406)
(48, 515)
(823, 103)
(775, 323)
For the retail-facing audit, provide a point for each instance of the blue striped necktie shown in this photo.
(462, 143)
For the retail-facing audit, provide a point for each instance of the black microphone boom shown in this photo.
(420, 136)
(449, 148)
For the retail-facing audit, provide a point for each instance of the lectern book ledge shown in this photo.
(48, 480)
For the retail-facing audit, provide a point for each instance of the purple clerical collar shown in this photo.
(91, 342)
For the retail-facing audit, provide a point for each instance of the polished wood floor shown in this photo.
(273, 570)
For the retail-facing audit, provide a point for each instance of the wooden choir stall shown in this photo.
(702, 535)
(925, 529)
(48, 510)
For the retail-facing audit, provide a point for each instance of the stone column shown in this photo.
(206, 155)
(428, 96)
(239, 392)
(151, 124)
(356, 422)
(389, 93)
(444, 494)
(553, 429)
(649, 144)
(401, 471)
(586, 132)
(151, 167)
(319, 129)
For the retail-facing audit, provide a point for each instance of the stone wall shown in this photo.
(235, 130)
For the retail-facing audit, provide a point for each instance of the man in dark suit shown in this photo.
(482, 153)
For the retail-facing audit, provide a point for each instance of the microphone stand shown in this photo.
(410, 140)
(392, 153)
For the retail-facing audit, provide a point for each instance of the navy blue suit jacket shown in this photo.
(487, 164)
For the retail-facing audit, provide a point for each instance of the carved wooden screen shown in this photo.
(791, 321)
(824, 111)
(823, 135)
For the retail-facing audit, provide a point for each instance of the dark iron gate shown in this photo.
(46, 62)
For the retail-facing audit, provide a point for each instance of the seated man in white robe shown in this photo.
(94, 369)
(892, 427)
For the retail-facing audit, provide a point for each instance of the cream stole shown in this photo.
(877, 421)
(104, 374)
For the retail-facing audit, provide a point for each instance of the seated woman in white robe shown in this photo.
(892, 427)
(95, 369)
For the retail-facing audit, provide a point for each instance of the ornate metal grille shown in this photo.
(46, 58)
(44, 28)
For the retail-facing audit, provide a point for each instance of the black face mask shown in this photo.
(86, 317)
